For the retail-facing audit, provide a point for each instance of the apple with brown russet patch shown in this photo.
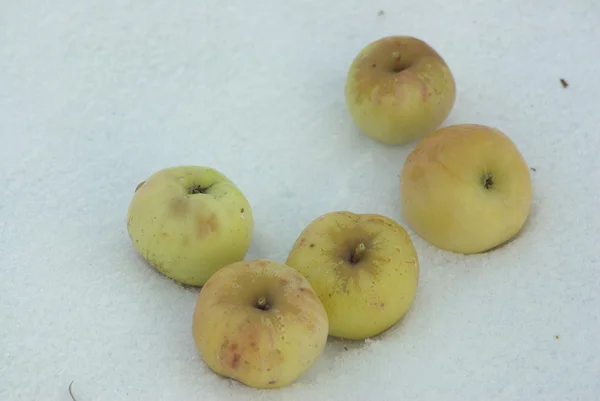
(466, 188)
(259, 322)
(399, 89)
(364, 268)
(189, 221)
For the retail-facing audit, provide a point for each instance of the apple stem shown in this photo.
(262, 304)
(358, 253)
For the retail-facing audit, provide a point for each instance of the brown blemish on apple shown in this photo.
(395, 55)
(283, 282)
(312, 245)
(178, 207)
(272, 381)
(260, 263)
(205, 227)
(235, 361)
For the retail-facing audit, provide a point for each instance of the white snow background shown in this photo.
(96, 95)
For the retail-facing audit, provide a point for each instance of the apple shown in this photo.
(189, 221)
(466, 188)
(363, 267)
(259, 322)
(398, 89)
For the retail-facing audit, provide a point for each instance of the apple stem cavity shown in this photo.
(358, 253)
(398, 67)
(262, 304)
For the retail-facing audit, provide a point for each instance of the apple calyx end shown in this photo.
(487, 180)
(198, 189)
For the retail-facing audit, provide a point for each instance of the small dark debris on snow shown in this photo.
(533, 169)
(71, 392)
(381, 12)
(564, 83)
(346, 348)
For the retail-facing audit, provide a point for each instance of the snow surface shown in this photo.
(97, 95)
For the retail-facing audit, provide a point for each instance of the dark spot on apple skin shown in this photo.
(283, 282)
(382, 305)
(312, 245)
(242, 210)
(272, 381)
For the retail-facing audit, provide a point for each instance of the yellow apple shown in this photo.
(259, 322)
(466, 188)
(398, 89)
(189, 221)
(363, 267)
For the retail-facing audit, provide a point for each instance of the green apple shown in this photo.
(259, 322)
(398, 89)
(363, 267)
(466, 188)
(189, 221)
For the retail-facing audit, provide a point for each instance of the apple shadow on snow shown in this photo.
(158, 274)
(254, 252)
